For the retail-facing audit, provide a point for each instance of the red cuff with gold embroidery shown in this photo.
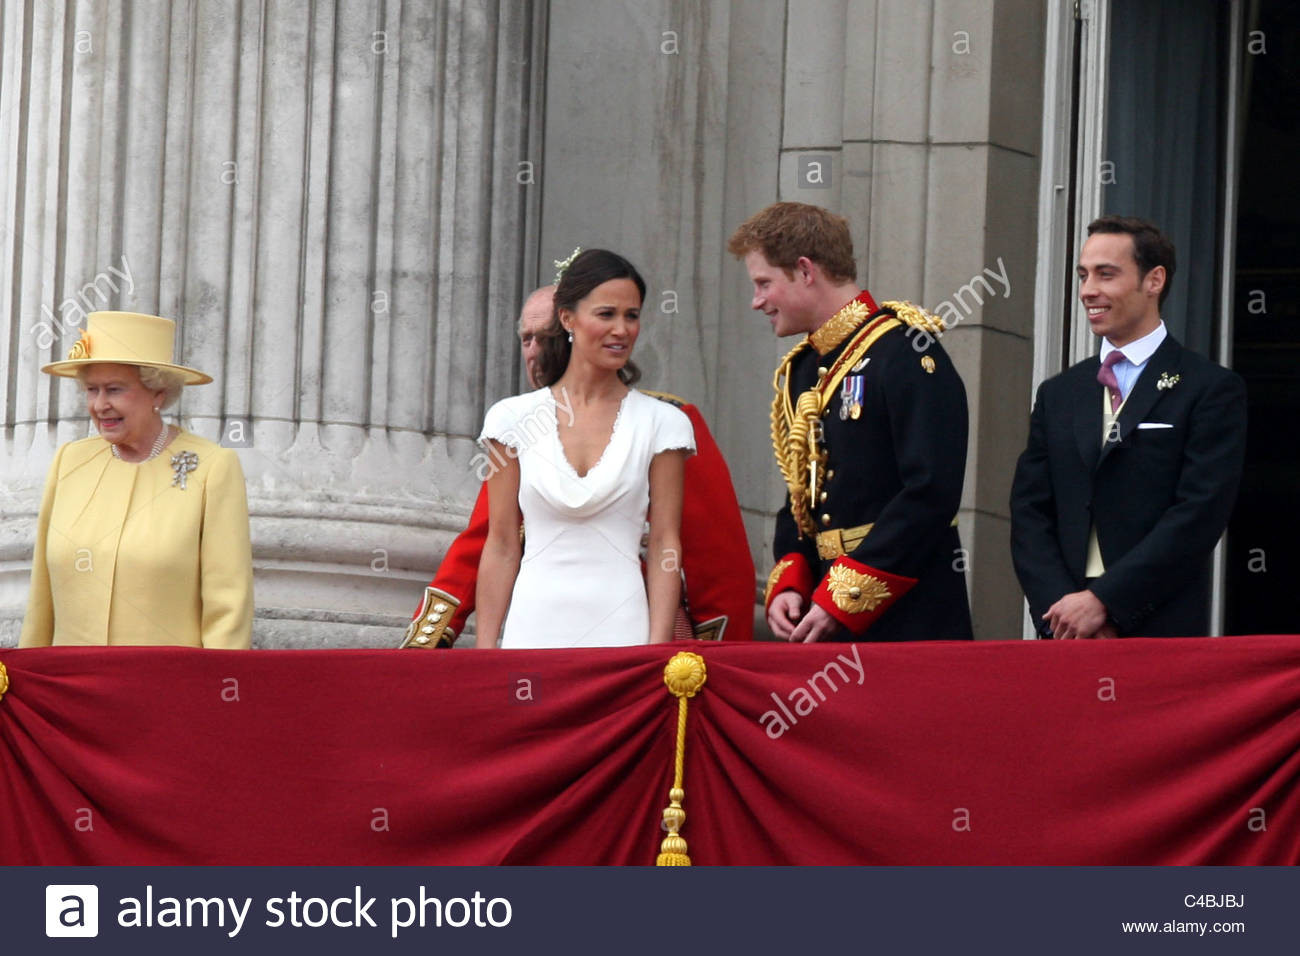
(856, 594)
(792, 573)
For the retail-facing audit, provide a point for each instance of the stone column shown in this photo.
(329, 199)
(916, 119)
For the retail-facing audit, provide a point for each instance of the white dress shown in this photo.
(580, 582)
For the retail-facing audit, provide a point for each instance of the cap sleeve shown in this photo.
(499, 425)
(673, 430)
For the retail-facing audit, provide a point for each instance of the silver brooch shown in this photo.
(1166, 381)
(183, 463)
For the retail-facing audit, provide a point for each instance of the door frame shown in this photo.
(1070, 195)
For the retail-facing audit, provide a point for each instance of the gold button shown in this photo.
(422, 639)
(434, 618)
(830, 473)
(821, 371)
(855, 593)
(439, 607)
(826, 520)
(427, 629)
(822, 498)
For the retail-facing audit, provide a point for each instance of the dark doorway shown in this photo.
(1263, 595)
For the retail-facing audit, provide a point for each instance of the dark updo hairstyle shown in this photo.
(590, 269)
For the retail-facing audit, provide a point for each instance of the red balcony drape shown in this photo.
(1119, 752)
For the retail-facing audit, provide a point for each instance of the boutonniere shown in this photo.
(1166, 381)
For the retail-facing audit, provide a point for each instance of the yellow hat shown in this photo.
(128, 338)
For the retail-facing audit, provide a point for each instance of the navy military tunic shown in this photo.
(898, 465)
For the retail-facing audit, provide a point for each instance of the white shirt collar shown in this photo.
(1138, 352)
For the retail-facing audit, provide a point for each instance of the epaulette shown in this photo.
(665, 397)
(916, 317)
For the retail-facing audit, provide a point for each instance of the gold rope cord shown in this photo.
(791, 428)
(916, 317)
(794, 430)
(4, 681)
(684, 675)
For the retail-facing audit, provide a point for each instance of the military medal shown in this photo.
(851, 394)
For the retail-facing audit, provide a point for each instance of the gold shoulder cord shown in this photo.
(790, 440)
(916, 317)
(795, 428)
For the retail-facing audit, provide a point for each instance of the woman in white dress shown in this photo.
(579, 462)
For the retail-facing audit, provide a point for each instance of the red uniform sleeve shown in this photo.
(718, 568)
(856, 594)
(790, 573)
(449, 599)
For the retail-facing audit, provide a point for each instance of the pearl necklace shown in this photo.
(153, 452)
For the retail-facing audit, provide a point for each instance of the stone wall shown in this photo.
(329, 201)
(668, 123)
(344, 204)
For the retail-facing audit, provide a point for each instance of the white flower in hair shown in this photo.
(562, 264)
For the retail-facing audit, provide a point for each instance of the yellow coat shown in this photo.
(124, 556)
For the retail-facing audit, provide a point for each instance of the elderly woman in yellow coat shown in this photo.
(143, 530)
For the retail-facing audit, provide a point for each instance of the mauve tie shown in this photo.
(1106, 375)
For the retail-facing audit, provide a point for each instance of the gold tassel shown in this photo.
(684, 675)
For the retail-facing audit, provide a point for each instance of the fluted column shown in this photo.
(324, 196)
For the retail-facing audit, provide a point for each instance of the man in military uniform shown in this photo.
(717, 571)
(869, 429)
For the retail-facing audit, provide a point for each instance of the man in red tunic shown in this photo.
(718, 593)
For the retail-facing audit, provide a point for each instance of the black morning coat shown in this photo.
(1160, 496)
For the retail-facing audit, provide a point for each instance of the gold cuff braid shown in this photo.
(429, 629)
(774, 577)
(854, 592)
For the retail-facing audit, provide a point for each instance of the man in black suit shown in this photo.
(1133, 461)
